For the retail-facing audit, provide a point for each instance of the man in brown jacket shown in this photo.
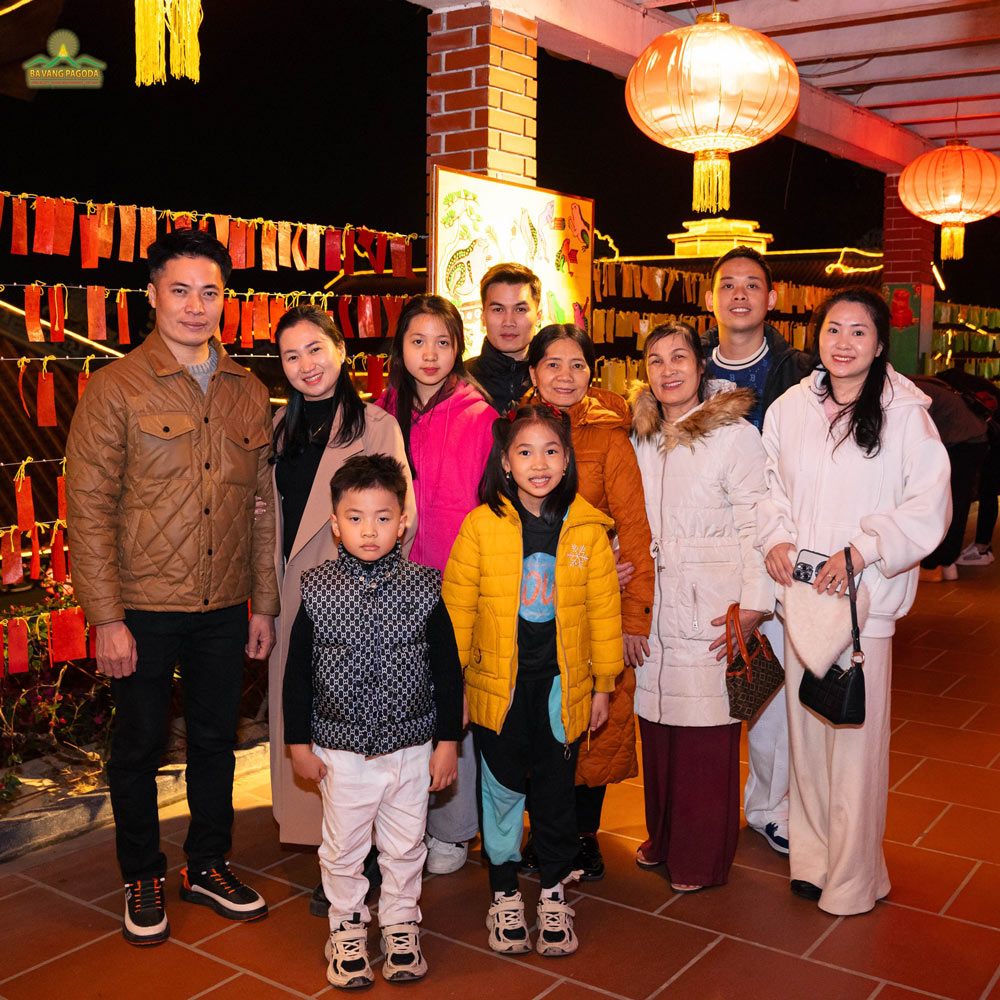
(167, 450)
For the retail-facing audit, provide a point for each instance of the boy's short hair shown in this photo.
(369, 472)
(187, 243)
(746, 253)
(511, 274)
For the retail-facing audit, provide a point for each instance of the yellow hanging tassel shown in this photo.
(184, 20)
(711, 181)
(953, 241)
(150, 37)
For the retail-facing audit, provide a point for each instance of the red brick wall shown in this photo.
(907, 242)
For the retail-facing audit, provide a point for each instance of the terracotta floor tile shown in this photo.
(987, 720)
(890, 992)
(932, 708)
(298, 868)
(908, 817)
(963, 746)
(960, 783)
(760, 972)
(915, 949)
(959, 642)
(12, 883)
(924, 681)
(752, 851)
(978, 687)
(112, 968)
(255, 838)
(245, 987)
(66, 924)
(901, 764)
(623, 881)
(923, 878)
(624, 812)
(574, 991)
(979, 900)
(970, 833)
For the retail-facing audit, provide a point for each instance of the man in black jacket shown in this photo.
(511, 295)
(746, 350)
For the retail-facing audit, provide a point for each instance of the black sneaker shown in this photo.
(529, 857)
(145, 920)
(589, 859)
(219, 888)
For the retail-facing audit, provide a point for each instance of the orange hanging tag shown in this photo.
(278, 309)
(261, 318)
(284, 244)
(45, 225)
(19, 234)
(121, 301)
(25, 503)
(97, 320)
(10, 557)
(61, 497)
(182, 222)
(62, 240)
(126, 243)
(332, 256)
(393, 307)
(57, 314)
(343, 306)
(17, 646)
(231, 316)
(246, 323)
(238, 243)
(32, 312)
(67, 635)
(348, 260)
(147, 229)
(88, 241)
(312, 246)
(46, 411)
(268, 252)
(58, 561)
(375, 383)
(22, 363)
(297, 258)
(36, 555)
(203, 224)
(251, 244)
(105, 230)
(221, 229)
(366, 322)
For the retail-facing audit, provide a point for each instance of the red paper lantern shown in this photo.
(712, 88)
(950, 187)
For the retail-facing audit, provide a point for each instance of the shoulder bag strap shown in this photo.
(857, 657)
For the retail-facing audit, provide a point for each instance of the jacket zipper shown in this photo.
(559, 640)
(694, 606)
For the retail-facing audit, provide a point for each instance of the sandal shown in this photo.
(687, 888)
(643, 860)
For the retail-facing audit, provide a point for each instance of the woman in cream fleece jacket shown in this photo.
(852, 459)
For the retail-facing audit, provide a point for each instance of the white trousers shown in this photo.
(765, 795)
(840, 789)
(390, 792)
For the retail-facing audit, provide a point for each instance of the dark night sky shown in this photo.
(315, 112)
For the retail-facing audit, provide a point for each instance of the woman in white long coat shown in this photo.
(852, 459)
(702, 469)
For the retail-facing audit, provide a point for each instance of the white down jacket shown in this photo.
(893, 507)
(703, 477)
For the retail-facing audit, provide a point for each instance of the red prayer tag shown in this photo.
(88, 241)
(343, 303)
(250, 244)
(348, 261)
(365, 237)
(261, 318)
(20, 385)
(397, 252)
(46, 400)
(332, 241)
(36, 555)
(67, 635)
(297, 259)
(32, 312)
(182, 222)
(105, 230)
(45, 225)
(278, 309)
(381, 245)
(238, 243)
(393, 307)
(58, 556)
(126, 243)
(147, 229)
(81, 384)
(61, 497)
(1, 207)
(25, 503)
(407, 259)
(231, 318)
(268, 247)
(366, 322)
(203, 224)
(375, 377)
(97, 319)
(10, 557)
(124, 337)
(62, 239)
(19, 234)
(284, 244)
(221, 229)
(57, 314)
(17, 646)
(246, 323)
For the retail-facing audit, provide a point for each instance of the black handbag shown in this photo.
(753, 672)
(839, 696)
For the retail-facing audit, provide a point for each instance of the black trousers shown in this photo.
(966, 463)
(208, 648)
(527, 745)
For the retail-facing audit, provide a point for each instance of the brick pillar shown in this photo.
(908, 282)
(481, 92)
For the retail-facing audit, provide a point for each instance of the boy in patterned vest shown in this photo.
(373, 712)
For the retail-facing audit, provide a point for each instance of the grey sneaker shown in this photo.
(403, 958)
(555, 928)
(347, 956)
(506, 924)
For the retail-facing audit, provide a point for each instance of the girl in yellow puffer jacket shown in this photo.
(533, 595)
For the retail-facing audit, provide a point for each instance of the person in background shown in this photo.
(324, 423)
(749, 352)
(702, 468)
(511, 295)
(167, 450)
(853, 459)
(447, 429)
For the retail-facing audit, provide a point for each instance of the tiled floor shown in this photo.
(937, 936)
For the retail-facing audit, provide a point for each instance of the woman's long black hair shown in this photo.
(291, 436)
(496, 484)
(402, 382)
(865, 415)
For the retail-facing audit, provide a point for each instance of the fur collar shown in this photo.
(718, 411)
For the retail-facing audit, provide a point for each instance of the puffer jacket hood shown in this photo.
(723, 407)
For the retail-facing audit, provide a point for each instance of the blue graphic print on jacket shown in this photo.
(538, 584)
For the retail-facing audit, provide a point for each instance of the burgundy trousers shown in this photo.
(691, 778)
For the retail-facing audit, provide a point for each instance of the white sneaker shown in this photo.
(506, 924)
(950, 572)
(444, 858)
(555, 928)
(403, 959)
(971, 556)
(347, 956)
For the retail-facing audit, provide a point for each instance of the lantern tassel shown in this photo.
(953, 241)
(184, 20)
(711, 181)
(150, 36)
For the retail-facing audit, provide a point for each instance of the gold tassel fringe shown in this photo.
(184, 20)
(150, 51)
(152, 18)
(711, 181)
(953, 241)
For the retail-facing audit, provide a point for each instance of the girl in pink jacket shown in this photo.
(447, 428)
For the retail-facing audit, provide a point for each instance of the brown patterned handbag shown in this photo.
(753, 672)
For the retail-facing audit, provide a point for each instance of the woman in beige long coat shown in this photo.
(324, 423)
